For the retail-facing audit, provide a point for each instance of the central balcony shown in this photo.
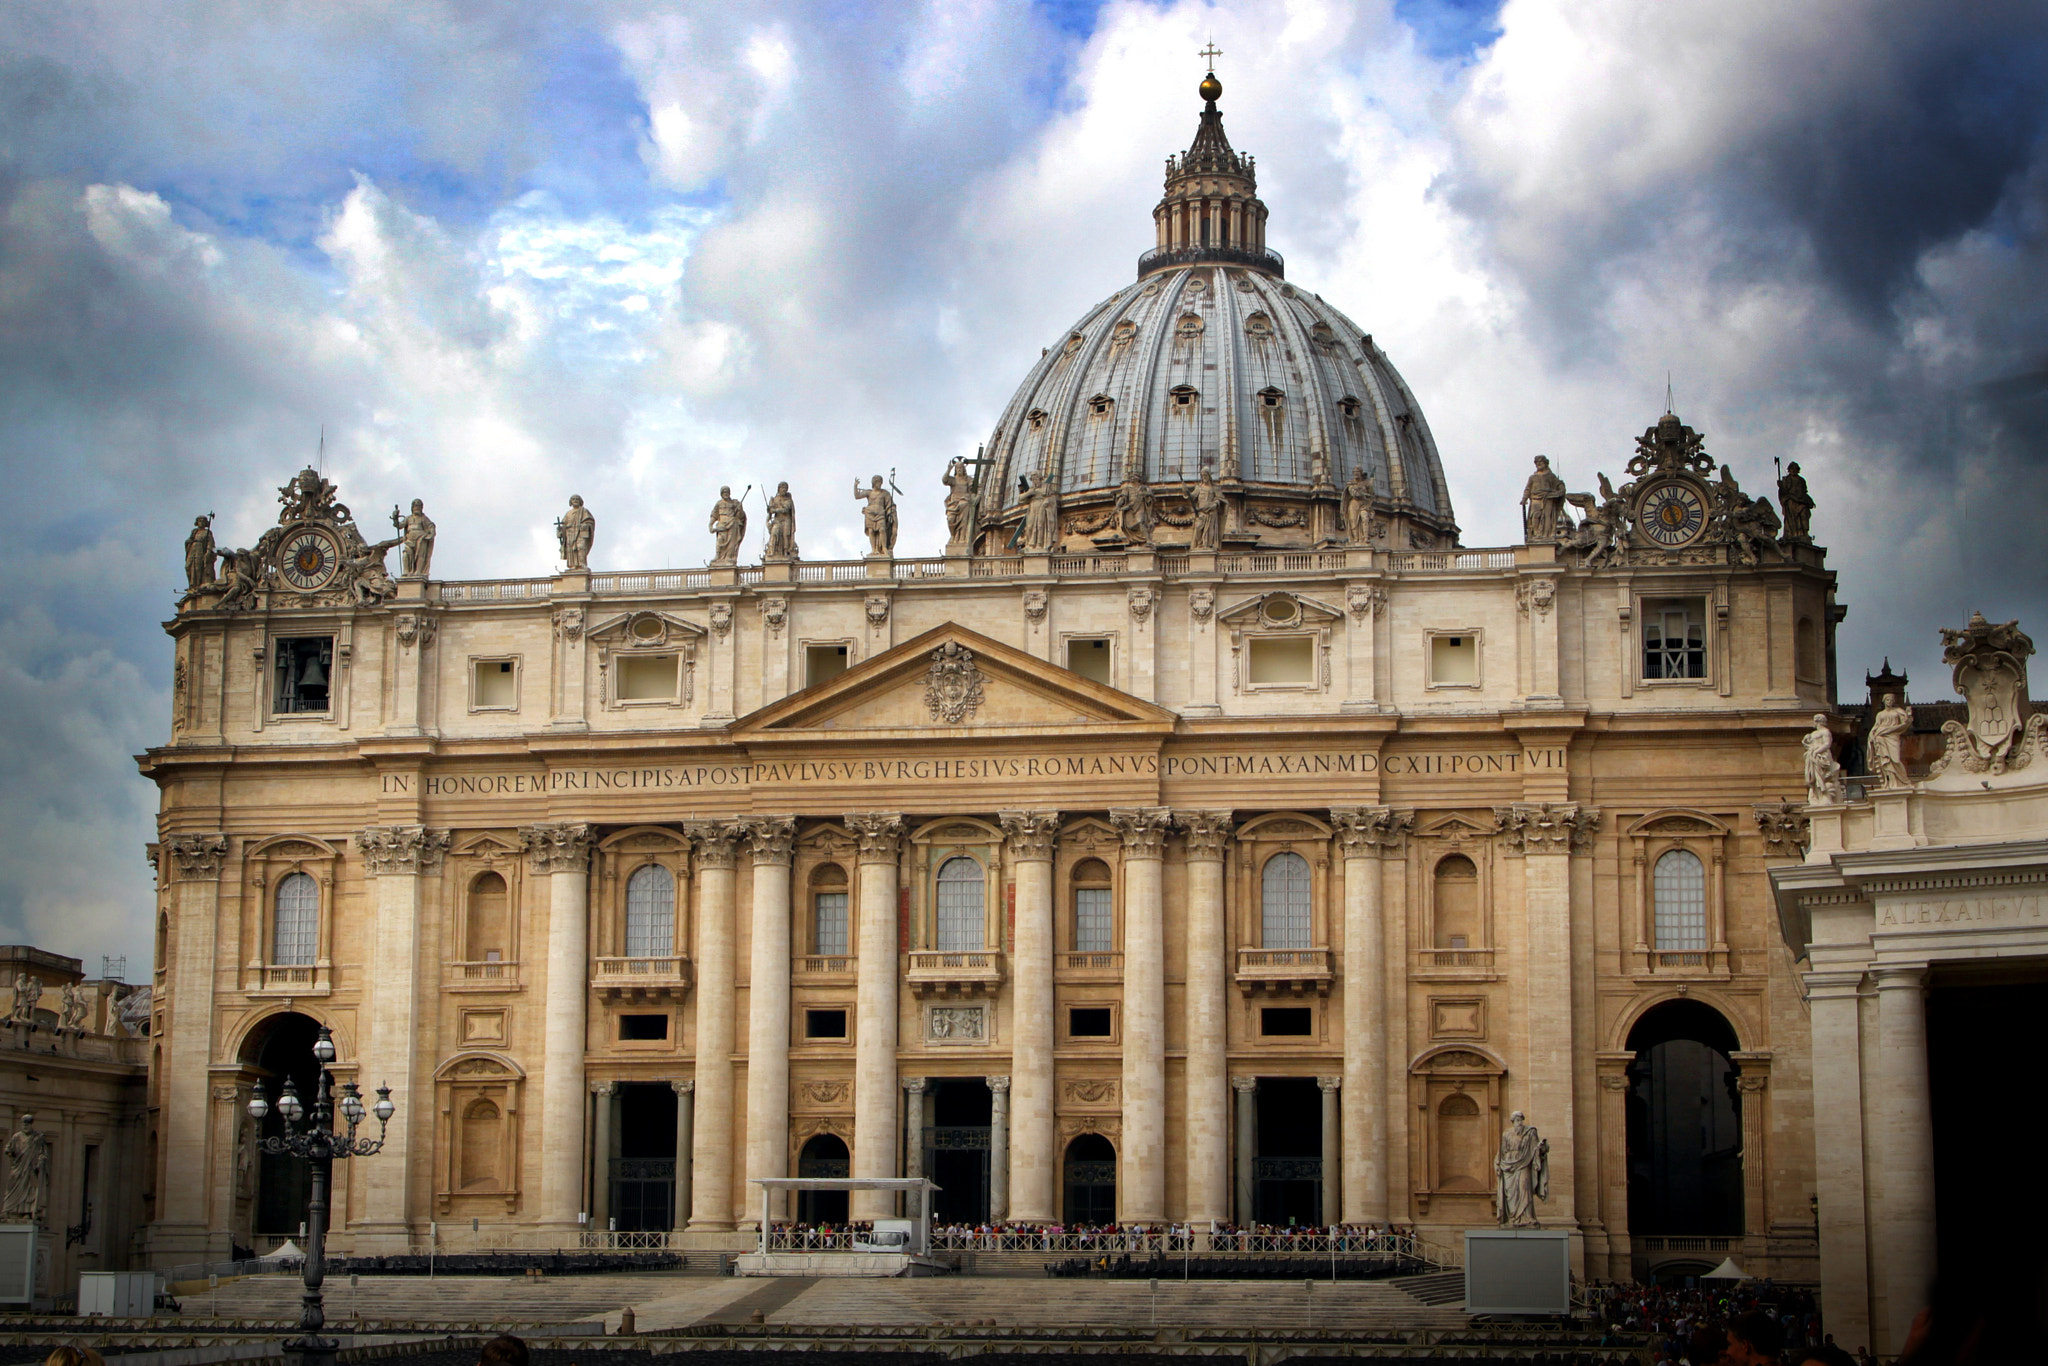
(641, 979)
(955, 972)
(1283, 972)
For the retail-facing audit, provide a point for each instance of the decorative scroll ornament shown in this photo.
(1786, 829)
(775, 612)
(1990, 664)
(1140, 601)
(556, 848)
(401, 848)
(878, 609)
(415, 627)
(1034, 604)
(952, 689)
(1546, 827)
(721, 618)
(197, 855)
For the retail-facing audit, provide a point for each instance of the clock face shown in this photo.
(1672, 513)
(309, 559)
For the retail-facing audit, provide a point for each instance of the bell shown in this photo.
(313, 676)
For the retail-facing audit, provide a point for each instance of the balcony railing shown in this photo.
(1480, 959)
(497, 590)
(1449, 561)
(640, 978)
(1092, 964)
(1290, 971)
(289, 979)
(1281, 561)
(1168, 258)
(955, 972)
(490, 975)
(817, 965)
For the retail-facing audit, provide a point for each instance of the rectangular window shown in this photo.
(1089, 1022)
(1089, 657)
(824, 1024)
(1674, 638)
(1286, 1022)
(495, 684)
(642, 1028)
(646, 678)
(305, 668)
(828, 928)
(1091, 920)
(1281, 661)
(822, 662)
(1454, 661)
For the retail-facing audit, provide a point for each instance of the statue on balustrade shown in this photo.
(1542, 504)
(1134, 514)
(1796, 504)
(1041, 534)
(1823, 774)
(728, 527)
(28, 993)
(781, 525)
(416, 537)
(878, 517)
(1883, 747)
(199, 553)
(1207, 501)
(959, 507)
(1358, 507)
(575, 531)
(1523, 1170)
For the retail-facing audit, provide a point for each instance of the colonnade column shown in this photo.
(998, 1149)
(770, 838)
(1141, 1183)
(686, 1118)
(1207, 1004)
(1364, 833)
(1333, 1171)
(711, 1197)
(1247, 1092)
(562, 853)
(1834, 1000)
(604, 1098)
(913, 1125)
(1033, 1162)
(1904, 1226)
(396, 857)
(878, 836)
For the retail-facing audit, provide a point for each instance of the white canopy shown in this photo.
(283, 1250)
(1726, 1271)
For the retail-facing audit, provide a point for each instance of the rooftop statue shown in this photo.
(1823, 774)
(728, 526)
(1358, 507)
(1882, 747)
(1041, 533)
(1602, 532)
(199, 554)
(1542, 504)
(28, 991)
(781, 525)
(1797, 505)
(416, 534)
(574, 531)
(1135, 516)
(1207, 501)
(959, 507)
(28, 1174)
(878, 517)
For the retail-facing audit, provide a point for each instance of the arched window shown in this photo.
(1283, 903)
(1457, 903)
(831, 930)
(650, 912)
(1679, 889)
(1094, 926)
(962, 921)
(489, 905)
(296, 942)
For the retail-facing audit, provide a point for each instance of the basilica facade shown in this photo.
(1207, 836)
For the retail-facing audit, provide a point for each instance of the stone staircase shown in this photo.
(1437, 1287)
(535, 1300)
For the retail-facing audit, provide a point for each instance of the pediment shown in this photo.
(1456, 827)
(1677, 821)
(1278, 611)
(949, 680)
(646, 630)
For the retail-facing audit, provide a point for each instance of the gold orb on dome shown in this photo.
(1211, 88)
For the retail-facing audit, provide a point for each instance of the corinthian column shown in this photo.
(1208, 977)
(562, 854)
(1033, 1163)
(397, 857)
(711, 1196)
(1364, 833)
(1141, 1189)
(999, 1149)
(770, 838)
(878, 836)
(1904, 1226)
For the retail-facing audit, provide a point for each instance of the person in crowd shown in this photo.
(1754, 1339)
(503, 1350)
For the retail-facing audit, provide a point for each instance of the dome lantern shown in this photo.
(1211, 210)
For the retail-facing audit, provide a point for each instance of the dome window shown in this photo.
(1259, 325)
(1124, 333)
(1189, 327)
(1348, 406)
(1184, 396)
(1271, 397)
(1036, 418)
(1100, 405)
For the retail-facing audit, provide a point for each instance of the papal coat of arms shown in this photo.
(953, 688)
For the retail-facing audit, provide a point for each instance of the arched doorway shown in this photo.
(281, 1047)
(1684, 1124)
(823, 1155)
(1090, 1179)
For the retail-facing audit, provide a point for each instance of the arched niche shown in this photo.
(478, 1119)
(1455, 1094)
(475, 859)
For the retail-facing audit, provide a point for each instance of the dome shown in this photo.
(1212, 362)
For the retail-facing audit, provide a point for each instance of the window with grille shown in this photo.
(828, 924)
(1675, 638)
(650, 913)
(297, 939)
(961, 918)
(1091, 920)
(1283, 903)
(1679, 895)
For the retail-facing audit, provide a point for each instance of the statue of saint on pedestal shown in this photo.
(1523, 1172)
(199, 553)
(575, 531)
(1358, 508)
(1883, 747)
(1134, 513)
(1823, 774)
(878, 517)
(1207, 501)
(416, 540)
(1542, 504)
(28, 992)
(728, 525)
(28, 1175)
(75, 1008)
(781, 525)
(1796, 503)
(959, 506)
(1041, 534)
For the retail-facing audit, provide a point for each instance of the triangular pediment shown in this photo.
(953, 680)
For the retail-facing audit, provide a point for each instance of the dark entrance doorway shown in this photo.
(1287, 1174)
(956, 1148)
(282, 1048)
(824, 1155)
(1090, 1179)
(1684, 1124)
(644, 1172)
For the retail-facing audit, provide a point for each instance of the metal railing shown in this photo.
(1167, 258)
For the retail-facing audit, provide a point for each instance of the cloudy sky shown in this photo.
(502, 253)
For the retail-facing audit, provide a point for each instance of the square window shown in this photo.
(495, 684)
(1088, 656)
(824, 1024)
(822, 662)
(1089, 1022)
(1286, 1022)
(1674, 638)
(643, 1028)
(1281, 661)
(647, 678)
(1454, 661)
(304, 673)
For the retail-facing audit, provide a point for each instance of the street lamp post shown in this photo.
(320, 1145)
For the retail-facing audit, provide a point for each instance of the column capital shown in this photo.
(407, 850)
(1330, 1084)
(1143, 829)
(1833, 985)
(683, 1088)
(771, 838)
(1366, 831)
(999, 1085)
(1029, 835)
(1546, 827)
(556, 848)
(713, 842)
(878, 835)
(916, 1086)
(197, 857)
(1206, 832)
(1244, 1086)
(603, 1088)
(1900, 976)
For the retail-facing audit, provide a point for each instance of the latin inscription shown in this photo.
(1989, 910)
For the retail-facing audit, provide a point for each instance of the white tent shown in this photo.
(1726, 1271)
(281, 1252)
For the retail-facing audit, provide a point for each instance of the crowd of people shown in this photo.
(1142, 1238)
(1706, 1323)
